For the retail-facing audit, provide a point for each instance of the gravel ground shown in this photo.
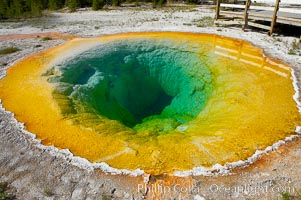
(36, 173)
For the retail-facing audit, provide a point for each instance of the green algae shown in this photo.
(144, 84)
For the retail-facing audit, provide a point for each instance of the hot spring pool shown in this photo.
(161, 102)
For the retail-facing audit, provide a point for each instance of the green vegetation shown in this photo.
(8, 50)
(158, 3)
(53, 4)
(294, 48)
(47, 192)
(136, 3)
(116, 2)
(204, 22)
(4, 195)
(187, 24)
(259, 4)
(278, 39)
(291, 52)
(18, 9)
(97, 4)
(36, 7)
(285, 196)
(72, 5)
(105, 197)
(46, 38)
(191, 1)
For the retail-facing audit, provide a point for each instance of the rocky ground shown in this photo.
(36, 173)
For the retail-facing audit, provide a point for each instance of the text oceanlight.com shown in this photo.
(251, 189)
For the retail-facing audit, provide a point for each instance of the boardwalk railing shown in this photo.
(249, 15)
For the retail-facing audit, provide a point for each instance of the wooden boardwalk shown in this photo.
(248, 15)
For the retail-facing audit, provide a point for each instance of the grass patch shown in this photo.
(278, 39)
(47, 192)
(286, 196)
(4, 195)
(295, 44)
(46, 38)
(9, 50)
(298, 195)
(105, 197)
(294, 48)
(292, 52)
(187, 24)
(204, 22)
(259, 4)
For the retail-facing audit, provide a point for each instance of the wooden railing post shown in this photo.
(246, 14)
(274, 19)
(218, 5)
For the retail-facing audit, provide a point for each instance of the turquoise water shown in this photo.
(166, 102)
(136, 82)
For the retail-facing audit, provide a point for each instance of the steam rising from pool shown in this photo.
(161, 102)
